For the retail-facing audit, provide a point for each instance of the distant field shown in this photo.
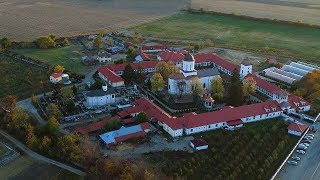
(28, 19)
(69, 57)
(231, 32)
(20, 79)
(307, 11)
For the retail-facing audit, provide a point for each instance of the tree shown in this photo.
(137, 38)
(9, 102)
(52, 127)
(31, 138)
(113, 125)
(235, 92)
(148, 175)
(209, 43)
(34, 99)
(66, 94)
(249, 86)
(45, 42)
(141, 118)
(45, 144)
(157, 82)
(196, 86)
(53, 37)
(74, 89)
(59, 69)
(131, 53)
(217, 89)
(66, 42)
(53, 111)
(98, 42)
(69, 148)
(128, 74)
(140, 75)
(5, 43)
(166, 69)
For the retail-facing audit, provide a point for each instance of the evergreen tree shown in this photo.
(236, 91)
(128, 74)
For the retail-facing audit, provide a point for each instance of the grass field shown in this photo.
(20, 79)
(307, 11)
(252, 152)
(243, 34)
(69, 57)
(29, 19)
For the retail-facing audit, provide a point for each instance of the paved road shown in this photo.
(40, 157)
(309, 166)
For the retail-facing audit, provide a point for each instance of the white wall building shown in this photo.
(245, 68)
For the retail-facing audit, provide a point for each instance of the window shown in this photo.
(209, 126)
(169, 86)
(191, 130)
(216, 125)
(112, 96)
(204, 85)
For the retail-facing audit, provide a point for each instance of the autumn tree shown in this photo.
(69, 148)
(166, 69)
(52, 127)
(128, 74)
(9, 102)
(5, 43)
(157, 82)
(66, 42)
(59, 69)
(66, 94)
(235, 92)
(249, 86)
(34, 99)
(131, 53)
(113, 125)
(98, 42)
(31, 138)
(141, 118)
(196, 86)
(53, 111)
(217, 89)
(45, 144)
(45, 42)
(137, 38)
(209, 43)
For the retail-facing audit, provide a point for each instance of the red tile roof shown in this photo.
(268, 86)
(235, 122)
(215, 59)
(145, 126)
(128, 121)
(135, 65)
(56, 75)
(298, 127)
(297, 102)
(176, 76)
(110, 75)
(145, 56)
(171, 56)
(155, 47)
(94, 126)
(199, 142)
(130, 136)
(129, 111)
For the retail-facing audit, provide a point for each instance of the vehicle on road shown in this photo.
(296, 158)
(293, 162)
(301, 151)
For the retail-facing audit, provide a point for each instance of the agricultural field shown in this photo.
(238, 33)
(25, 20)
(69, 57)
(255, 150)
(307, 11)
(21, 79)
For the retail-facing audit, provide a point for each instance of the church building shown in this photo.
(181, 83)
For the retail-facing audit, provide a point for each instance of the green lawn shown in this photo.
(20, 79)
(69, 57)
(252, 152)
(237, 33)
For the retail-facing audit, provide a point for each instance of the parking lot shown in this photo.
(308, 168)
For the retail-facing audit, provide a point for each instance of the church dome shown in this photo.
(188, 57)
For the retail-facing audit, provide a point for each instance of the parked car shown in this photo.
(293, 162)
(296, 158)
(301, 151)
(301, 146)
(306, 141)
(307, 138)
(310, 135)
(306, 144)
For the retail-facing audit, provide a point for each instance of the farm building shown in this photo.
(199, 144)
(153, 49)
(100, 97)
(55, 78)
(103, 56)
(297, 129)
(295, 70)
(280, 77)
(110, 77)
(125, 133)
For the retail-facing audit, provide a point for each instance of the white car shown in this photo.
(296, 158)
(310, 135)
(293, 162)
(308, 138)
(302, 147)
(301, 151)
(305, 144)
